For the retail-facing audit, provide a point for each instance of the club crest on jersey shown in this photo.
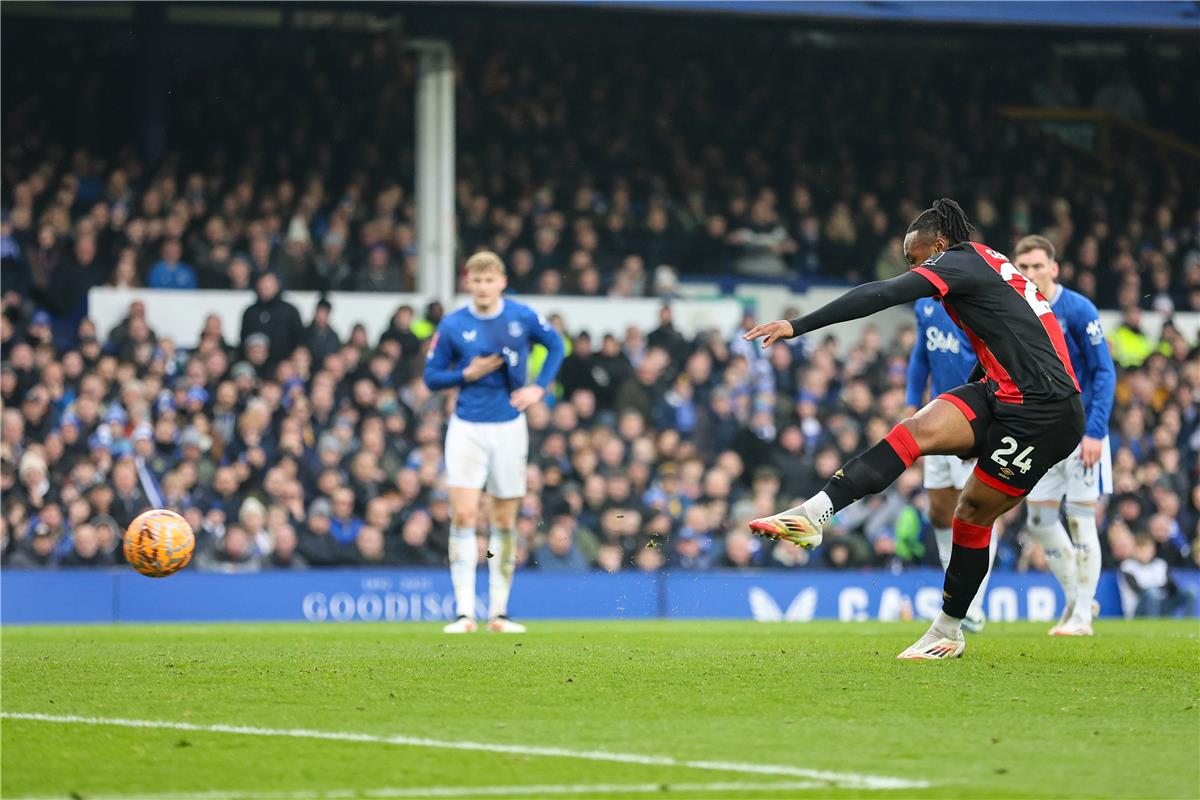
(471, 335)
(515, 330)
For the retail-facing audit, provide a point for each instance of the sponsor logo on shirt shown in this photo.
(938, 341)
(1095, 333)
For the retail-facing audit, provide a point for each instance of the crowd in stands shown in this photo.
(589, 170)
(653, 453)
(600, 174)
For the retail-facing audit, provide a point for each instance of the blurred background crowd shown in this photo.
(595, 167)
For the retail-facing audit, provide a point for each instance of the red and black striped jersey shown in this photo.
(1016, 337)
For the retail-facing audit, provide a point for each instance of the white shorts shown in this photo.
(1069, 478)
(488, 455)
(946, 472)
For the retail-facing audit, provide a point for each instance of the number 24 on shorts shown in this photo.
(1008, 446)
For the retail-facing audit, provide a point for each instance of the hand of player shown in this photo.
(1089, 451)
(481, 366)
(526, 396)
(770, 332)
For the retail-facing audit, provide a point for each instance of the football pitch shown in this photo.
(630, 709)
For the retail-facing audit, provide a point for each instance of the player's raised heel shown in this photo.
(503, 624)
(461, 625)
(974, 624)
(800, 531)
(934, 646)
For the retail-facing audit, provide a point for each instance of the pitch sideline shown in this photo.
(842, 780)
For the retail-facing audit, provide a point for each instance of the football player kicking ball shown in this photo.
(1020, 420)
(483, 349)
(1086, 474)
(942, 358)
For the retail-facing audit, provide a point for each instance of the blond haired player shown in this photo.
(482, 350)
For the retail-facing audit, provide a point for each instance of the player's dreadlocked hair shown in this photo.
(945, 217)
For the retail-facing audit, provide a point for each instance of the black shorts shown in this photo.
(1017, 444)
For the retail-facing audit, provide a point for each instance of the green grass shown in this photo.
(1021, 715)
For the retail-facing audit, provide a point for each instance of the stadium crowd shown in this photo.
(654, 453)
(596, 171)
(603, 174)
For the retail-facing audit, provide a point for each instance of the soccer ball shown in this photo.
(159, 543)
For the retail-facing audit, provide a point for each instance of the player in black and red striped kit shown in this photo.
(1023, 417)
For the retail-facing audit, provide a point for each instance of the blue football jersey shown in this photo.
(1090, 357)
(942, 353)
(510, 332)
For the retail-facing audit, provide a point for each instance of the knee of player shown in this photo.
(1043, 515)
(463, 518)
(1078, 510)
(969, 509)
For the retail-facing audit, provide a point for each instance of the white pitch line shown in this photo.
(474, 791)
(845, 780)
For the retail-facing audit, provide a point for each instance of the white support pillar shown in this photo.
(435, 169)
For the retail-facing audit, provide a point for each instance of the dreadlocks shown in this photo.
(945, 217)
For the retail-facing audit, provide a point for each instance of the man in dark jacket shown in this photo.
(274, 317)
(321, 339)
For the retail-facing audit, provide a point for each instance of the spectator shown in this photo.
(273, 317)
(1147, 589)
(344, 527)
(171, 272)
(321, 340)
(559, 553)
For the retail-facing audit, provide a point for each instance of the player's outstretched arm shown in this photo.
(857, 303)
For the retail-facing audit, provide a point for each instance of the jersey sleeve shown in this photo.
(950, 272)
(1085, 328)
(918, 366)
(439, 364)
(863, 301)
(543, 333)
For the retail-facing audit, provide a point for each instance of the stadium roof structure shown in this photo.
(1170, 14)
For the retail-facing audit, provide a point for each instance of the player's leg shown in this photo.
(506, 487)
(943, 497)
(1018, 450)
(976, 619)
(1045, 527)
(978, 508)
(466, 470)
(1085, 487)
(948, 425)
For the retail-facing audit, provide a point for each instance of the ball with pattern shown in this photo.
(159, 543)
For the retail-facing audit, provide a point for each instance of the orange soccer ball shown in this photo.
(159, 543)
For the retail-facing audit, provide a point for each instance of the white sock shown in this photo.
(464, 555)
(945, 545)
(1082, 520)
(818, 508)
(946, 626)
(1048, 531)
(976, 609)
(503, 546)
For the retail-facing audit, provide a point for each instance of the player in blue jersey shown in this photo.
(483, 350)
(942, 359)
(1085, 475)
